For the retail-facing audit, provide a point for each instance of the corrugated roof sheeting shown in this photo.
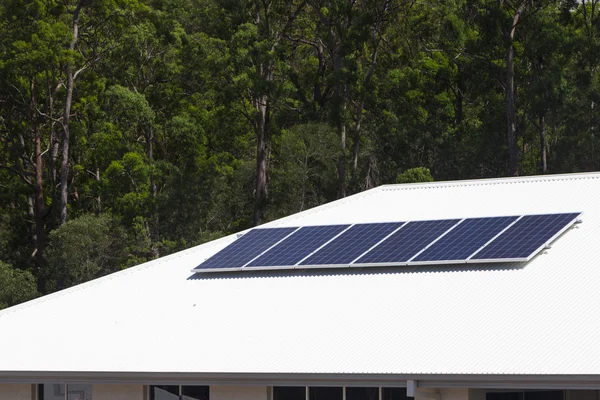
(541, 318)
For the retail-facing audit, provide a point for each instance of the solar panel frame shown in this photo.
(414, 260)
(288, 266)
(576, 218)
(291, 231)
(362, 263)
(411, 261)
(394, 227)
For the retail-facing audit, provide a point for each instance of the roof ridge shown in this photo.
(491, 181)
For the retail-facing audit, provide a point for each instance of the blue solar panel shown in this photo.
(299, 245)
(527, 235)
(345, 248)
(465, 239)
(407, 242)
(245, 248)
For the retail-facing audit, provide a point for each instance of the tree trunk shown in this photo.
(150, 155)
(460, 90)
(543, 145)
(511, 118)
(262, 157)
(340, 110)
(64, 168)
(99, 198)
(317, 90)
(511, 113)
(342, 160)
(38, 189)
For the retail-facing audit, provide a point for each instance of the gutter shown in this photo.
(425, 381)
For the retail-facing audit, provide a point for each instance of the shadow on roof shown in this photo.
(317, 272)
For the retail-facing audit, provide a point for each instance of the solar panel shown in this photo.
(464, 240)
(406, 242)
(473, 240)
(245, 249)
(352, 243)
(301, 244)
(526, 237)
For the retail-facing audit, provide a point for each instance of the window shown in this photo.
(178, 392)
(394, 394)
(362, 393)
(527, 395)
(337, 393)
(326, 393)
(164, 393)
(289, 393)
(59, 391)
(194, 392)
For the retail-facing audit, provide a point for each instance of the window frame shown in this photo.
(179, 392)
(344, 388)
(39, 395)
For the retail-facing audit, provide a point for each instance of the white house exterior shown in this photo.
(449, 332)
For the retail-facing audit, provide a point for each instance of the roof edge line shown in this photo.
(308, 379)
(488, 181)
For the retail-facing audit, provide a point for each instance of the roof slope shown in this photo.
(157, 317)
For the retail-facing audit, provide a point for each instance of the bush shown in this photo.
(84, 248)
(16, 286)
(415, 175)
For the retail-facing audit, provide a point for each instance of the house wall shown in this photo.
(15, 392)
(238, 393)
(477, 394)
(118, 392)
(454, 394)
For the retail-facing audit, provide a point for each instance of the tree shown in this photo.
(415, 175)
(516, 9)
(84, 248)
(15, 286)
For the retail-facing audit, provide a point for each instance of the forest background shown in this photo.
(131, 129)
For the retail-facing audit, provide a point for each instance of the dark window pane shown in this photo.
(395, 394)
(361, 393)
(504, 396)
(164, 392)
(326, 393)
(79, 392)
(544, 395)
(52, 391)
(194, 392)
(289, 393)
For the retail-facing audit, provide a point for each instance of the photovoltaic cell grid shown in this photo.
(492, 239)
(351, 244)
(296, 247)
(525, 237)
(407, 242)
(246, 248)
(465, 239)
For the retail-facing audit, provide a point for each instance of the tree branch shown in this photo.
(21, 174)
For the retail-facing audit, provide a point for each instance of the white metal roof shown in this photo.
(542, 318)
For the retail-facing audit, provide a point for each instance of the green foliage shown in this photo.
(304, 167)
(15, 286)
(172, 100)
(415, 175)
(84, 248)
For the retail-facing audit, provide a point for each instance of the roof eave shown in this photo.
(494, 381)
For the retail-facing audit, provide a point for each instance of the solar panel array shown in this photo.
(449, 241)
